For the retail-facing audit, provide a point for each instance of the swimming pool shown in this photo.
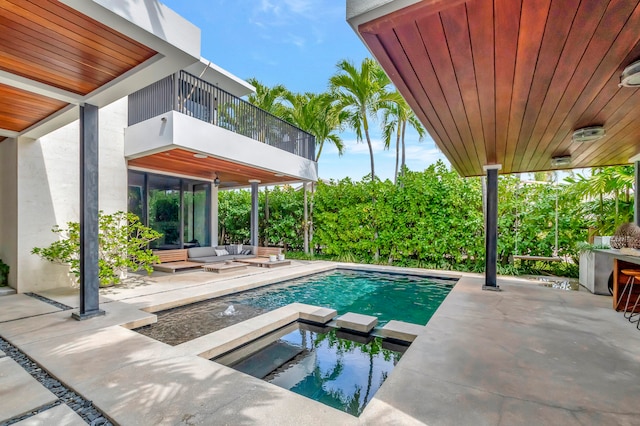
(408, 298)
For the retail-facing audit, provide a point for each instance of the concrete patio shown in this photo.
(526, 355)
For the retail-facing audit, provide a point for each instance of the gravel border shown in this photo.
(83, 407)
(49, 301)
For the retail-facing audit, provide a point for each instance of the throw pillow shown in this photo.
(221, 252)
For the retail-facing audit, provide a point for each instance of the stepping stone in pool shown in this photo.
(357, 322)
(400, 330)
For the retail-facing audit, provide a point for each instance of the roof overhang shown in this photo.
(58, 55)
(508, 82)
(219, 77)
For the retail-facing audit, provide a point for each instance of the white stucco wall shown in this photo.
(8, 208)
(48, 191)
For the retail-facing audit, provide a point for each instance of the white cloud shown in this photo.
(303, 17)
(352, 146)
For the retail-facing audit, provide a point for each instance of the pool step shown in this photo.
(320, 315)
(400, 330)
(357, 322)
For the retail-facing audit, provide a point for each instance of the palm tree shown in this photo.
(605, 183)
(396, 116)
(360, 94)
(269, 99)
(316, 114)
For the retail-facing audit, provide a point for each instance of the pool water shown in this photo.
(407, 298)
(320, 363)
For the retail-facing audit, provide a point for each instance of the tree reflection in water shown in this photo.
(337, 371)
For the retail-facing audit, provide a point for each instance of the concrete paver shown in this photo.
(543, 352)
(58, 415)
(44, 327)
(7, 291)
(19, 392)
(526, 355)
(21, 306)
(69, 296)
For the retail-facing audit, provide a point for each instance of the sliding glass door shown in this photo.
(178, 208)
(197, 214)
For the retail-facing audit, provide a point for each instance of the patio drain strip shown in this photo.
(49, 301)
(83, 407)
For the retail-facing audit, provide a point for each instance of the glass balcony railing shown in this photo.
(186, 93)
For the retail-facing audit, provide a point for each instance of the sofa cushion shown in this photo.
(206, 259)
(243, 256)
(195, 252)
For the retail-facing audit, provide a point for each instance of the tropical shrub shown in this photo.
(122, 244)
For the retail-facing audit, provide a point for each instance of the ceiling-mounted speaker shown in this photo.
(631, 75)
(564, 160)
(588, 134)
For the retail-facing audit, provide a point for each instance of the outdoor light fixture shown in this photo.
(588, 134)
(200, 155)
(216, 181)
(631, 76)
(564, 160)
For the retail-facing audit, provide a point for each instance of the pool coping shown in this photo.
(229, 338)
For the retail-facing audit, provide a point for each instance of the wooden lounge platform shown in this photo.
(224, 267)
(173, 260)
(265, 262)
(539, 258)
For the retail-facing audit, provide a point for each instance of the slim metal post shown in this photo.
(254, 211)
(89, 280)
(306, 219)
(491, 228)
(636, 189)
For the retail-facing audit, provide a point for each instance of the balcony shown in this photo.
(194, 97)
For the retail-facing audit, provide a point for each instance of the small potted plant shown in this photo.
(4, 273)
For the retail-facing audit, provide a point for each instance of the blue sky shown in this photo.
(296, 43)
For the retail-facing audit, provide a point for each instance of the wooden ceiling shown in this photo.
(50, 43)
(507, 82)
(183, 162)
(19, 109)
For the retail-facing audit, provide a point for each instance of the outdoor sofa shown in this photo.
(220, 253)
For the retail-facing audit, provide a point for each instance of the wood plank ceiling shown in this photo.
(183, 162)
(51, 43)
(507, 82)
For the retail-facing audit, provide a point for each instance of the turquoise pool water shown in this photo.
(406, 298)
(323, 364)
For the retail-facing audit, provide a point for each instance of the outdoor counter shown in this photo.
(606, 263)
